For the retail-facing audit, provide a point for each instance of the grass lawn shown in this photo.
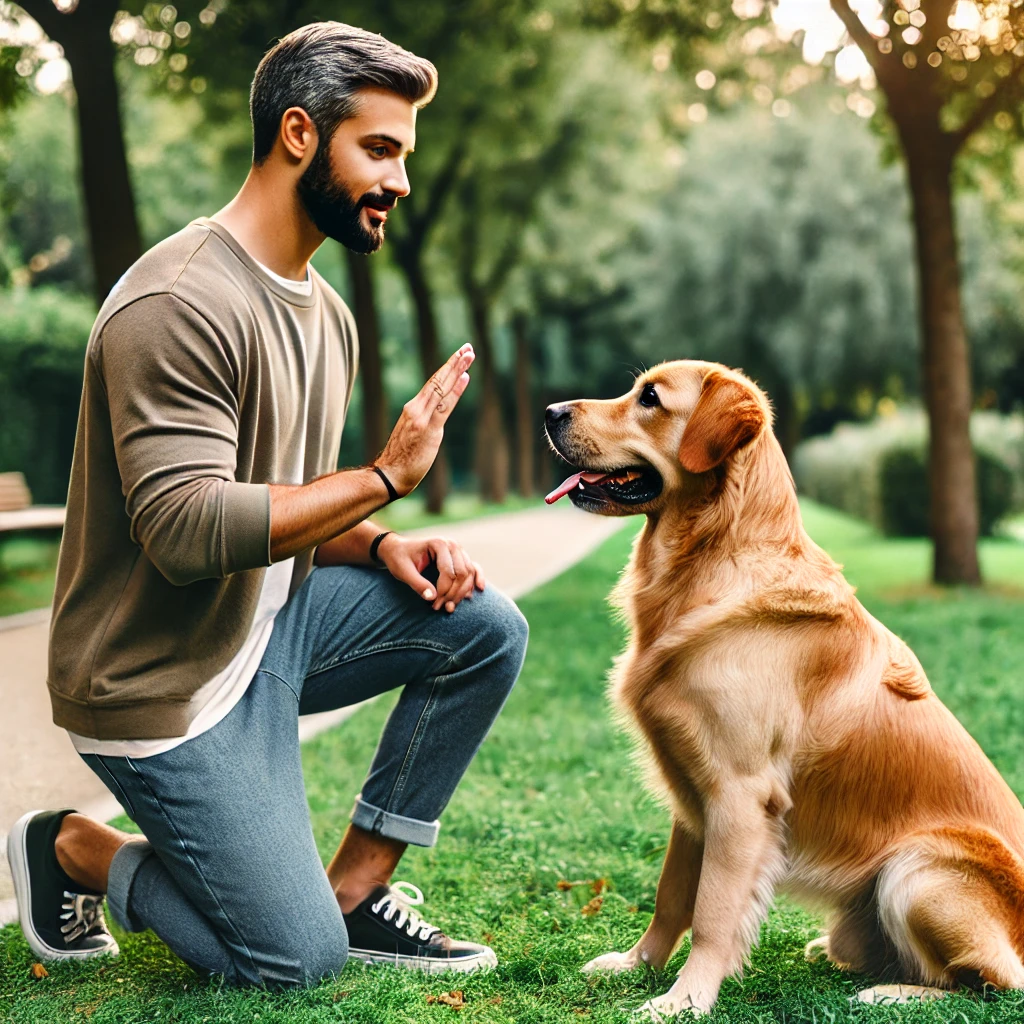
(27, 568)
(551, 798)
(28, 564)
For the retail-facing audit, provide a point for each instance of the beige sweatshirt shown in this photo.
(195, 387)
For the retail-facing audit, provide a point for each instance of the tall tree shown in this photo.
(371, 366)
(83, 31)
(945, 69)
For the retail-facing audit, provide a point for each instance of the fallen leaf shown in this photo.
(496, 1001)
(39, 971)
(564, 886)
(599, 885)
(451, 999)
(591, 908)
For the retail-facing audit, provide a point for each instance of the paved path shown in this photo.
(518, 550)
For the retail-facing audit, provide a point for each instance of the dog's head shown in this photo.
(680, 420)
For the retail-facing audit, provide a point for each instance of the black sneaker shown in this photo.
(384, 929)
(59, 920)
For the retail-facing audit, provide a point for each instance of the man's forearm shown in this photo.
(351, 547)
(308, 515)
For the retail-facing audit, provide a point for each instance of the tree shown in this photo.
(946, 70)
(83, 31)
(371, 367)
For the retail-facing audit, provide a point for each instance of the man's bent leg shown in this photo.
(229, 875)
(350, 633)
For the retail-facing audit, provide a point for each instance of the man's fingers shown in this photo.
(460, 572)
(446, 575)
(444, 406)
(447, 377)
(480, 581)
(406, 571)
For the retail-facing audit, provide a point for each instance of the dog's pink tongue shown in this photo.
(571, 484)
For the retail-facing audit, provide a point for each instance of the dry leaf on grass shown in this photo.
(451, 999)
(591, 908)
(39, 971)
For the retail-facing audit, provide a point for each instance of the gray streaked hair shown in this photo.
(320, 68)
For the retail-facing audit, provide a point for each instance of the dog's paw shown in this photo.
(816, 949)
(889, 994)
(668, 1008)
(611, 963)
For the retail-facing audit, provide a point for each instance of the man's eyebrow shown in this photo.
(390, 139)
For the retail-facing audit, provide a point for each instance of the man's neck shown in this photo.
(269, 222)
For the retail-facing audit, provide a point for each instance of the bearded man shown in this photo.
(219, 577)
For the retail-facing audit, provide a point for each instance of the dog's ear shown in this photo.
(727, 417)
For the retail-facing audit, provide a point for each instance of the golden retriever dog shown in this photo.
(796, 740)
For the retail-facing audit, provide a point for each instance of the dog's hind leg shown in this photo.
(855, 941)
(951, 902)
(673, 909)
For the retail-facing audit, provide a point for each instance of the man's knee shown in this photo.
(302, 961)
(503, 632)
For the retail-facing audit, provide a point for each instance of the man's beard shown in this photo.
(332, 209)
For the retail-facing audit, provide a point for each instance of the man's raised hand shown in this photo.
(413, 444)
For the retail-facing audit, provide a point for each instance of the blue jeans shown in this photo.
(228, 874)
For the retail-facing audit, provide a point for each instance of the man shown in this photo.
(189, 635)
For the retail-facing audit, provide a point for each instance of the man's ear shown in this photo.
(727, 417)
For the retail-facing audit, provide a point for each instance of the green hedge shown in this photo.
(878, 471)
(43, 334)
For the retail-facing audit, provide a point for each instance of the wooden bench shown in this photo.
(17, 511)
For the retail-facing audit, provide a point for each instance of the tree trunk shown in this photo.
(524, 408)
(371, 369)
(946, 377)
(426, 321)
(114, 239)
(491, 448)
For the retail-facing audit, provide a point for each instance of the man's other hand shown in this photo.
(458, 576)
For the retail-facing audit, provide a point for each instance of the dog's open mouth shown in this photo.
(633, 485)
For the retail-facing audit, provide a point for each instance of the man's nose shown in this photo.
(557, 413)
(397, 181)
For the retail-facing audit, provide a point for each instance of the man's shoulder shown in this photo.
(158, 270)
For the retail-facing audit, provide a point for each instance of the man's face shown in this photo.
(351, 184)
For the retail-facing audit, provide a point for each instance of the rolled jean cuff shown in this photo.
(123, 868)
(394, 826)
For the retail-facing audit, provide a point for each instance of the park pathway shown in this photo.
(39, 767)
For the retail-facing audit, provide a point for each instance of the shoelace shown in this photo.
(82, 914)
(401, 901)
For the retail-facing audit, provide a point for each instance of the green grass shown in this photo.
(551, 797)
(27, 568)
(28, 565)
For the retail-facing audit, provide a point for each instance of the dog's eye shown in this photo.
(649, 397)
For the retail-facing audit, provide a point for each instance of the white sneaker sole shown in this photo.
(17, 857)
(485, 960)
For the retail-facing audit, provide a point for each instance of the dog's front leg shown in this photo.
(673, 909)
(743, 859)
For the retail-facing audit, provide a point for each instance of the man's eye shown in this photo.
(381, 151)
(649, 397)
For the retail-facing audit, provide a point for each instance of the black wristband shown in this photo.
(374, 557)
(392, 493)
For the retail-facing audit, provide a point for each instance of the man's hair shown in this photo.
(319, 68)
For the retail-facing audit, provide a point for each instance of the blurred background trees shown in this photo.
(596, 187)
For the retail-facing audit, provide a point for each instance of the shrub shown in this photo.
(878, 471)
(43, 334)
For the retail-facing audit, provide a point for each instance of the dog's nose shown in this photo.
(557, 413)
